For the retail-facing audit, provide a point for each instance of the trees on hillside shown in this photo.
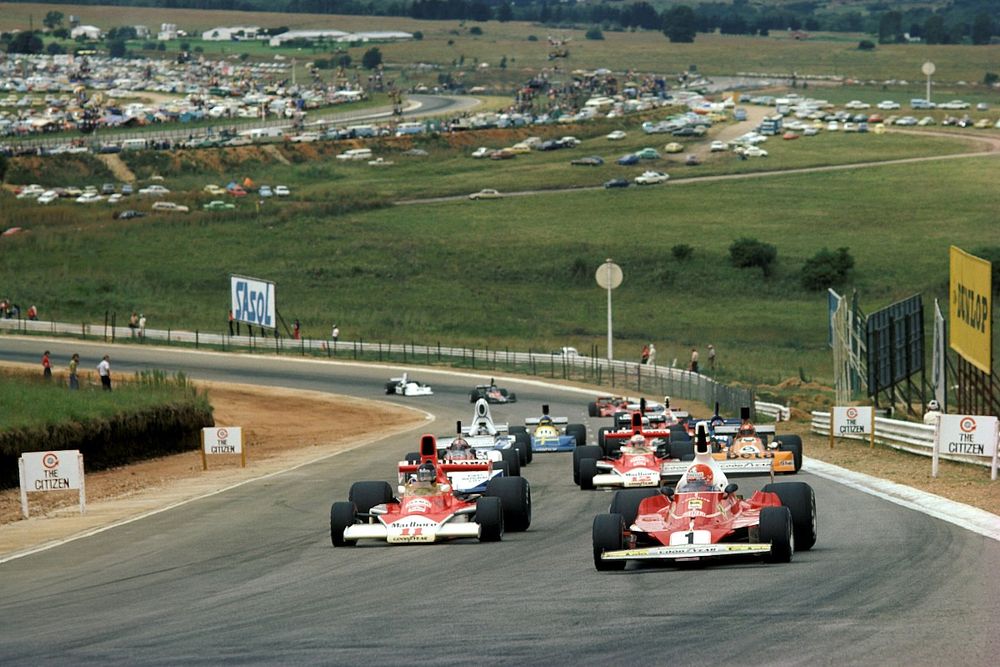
(679, 24)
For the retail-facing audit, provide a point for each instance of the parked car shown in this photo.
(89, 198)
(236, 191)
(128, 214)
(755, 151)
(674, 147)
(281, 190)
(888, 104)
(154, 190)
(589, 161)
(170, 206)
(648, 154)
(616, 135)
(127, 189)
(628, 160)
(481, 152)
(114, 198)
(218, 205)
(486, 193)
(692, 160)
(616, 183)
(651, 177)
(265, 191)
(47, 197)
(108, 189)
(213, 189)
(717, 146)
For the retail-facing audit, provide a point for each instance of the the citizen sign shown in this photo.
(974, 435)
(852, 420)
(252, 301)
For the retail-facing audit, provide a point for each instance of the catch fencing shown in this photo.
(621, 376)
(905, 436)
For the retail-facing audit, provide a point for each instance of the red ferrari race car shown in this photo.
(629, 459)
(703, 518)
(655, 416)
(428, 508)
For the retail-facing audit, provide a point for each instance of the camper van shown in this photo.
(356, 154)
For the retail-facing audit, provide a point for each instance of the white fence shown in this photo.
(905, 436)
(617, 374)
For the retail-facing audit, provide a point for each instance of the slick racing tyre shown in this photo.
(588, 469)
(800, 500)
(793, 444)
(581, 453)
(513, 460)
(341, 516)
(626, 502)
(776, 529)
(523, 443)
(515, 498)
(366, 495)
(489, 516)
(608, 534)
(579, 433)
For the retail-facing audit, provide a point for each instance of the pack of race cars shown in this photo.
(674, 500)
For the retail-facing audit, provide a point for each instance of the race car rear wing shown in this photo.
(732, 429)
(676, 469)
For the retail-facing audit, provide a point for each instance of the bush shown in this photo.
(990, 78)
(594, 33)
(682, 252)
(532, 38)
(826, 269)
(748, 253)
(372, 58)
(417, 35)
(475, 30)
(866, 45)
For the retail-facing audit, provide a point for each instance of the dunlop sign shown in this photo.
(972, 435)
(853, 421)
(222, 440)
(51, 471)
(971, 308)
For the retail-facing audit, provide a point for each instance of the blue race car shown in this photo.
(554, 434)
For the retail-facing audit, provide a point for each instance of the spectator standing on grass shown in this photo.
(133, 322)
(693, 367)
(335, 333)
(231, 320)
(104, 370)
(142, 327)
(46, 367)
(652, 355)
(296, 329)
(711, 357)
(32, 312)
(644, 356)
(74, 364)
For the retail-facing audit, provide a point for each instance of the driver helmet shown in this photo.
(699, 477)
(637, 441)
(746, 430)
(545, 419)
(426, 473)
(459, 450)
(933, 405)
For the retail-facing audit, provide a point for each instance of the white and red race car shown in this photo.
(428, 509)
(629, 459)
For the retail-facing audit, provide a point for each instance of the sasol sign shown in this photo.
(253, 301)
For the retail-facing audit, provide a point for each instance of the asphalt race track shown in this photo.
(249, 575)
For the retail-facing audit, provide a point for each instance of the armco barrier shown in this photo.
(776, 411)
(620, 375)
(905, 436)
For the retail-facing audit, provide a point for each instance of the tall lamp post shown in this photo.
(928, 68)
(609, 276)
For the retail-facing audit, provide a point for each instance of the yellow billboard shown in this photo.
(971, 308)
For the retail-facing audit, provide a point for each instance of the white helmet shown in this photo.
(637, 441)
(933, 405)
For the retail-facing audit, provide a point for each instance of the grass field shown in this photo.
(519, 271)
(646, 51)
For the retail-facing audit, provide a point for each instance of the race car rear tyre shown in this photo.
(489, 516)
(502, 466)
(390, 387)
(523, 443)
(588, 469)
(592, 410)
(601, 433)
(474, 396)
(608, 534)
(366, 495)
(626, 502)
(776, 530)
(793, 444)
(800, 500)
(579, 433)
(515, 497)
(341, 516)
(581, 453)
(612, 446)
(413, 457)
(679, 434)
(513, 459)
(514, 430)
(682, 450)
(511, 397)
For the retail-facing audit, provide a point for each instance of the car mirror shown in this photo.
(731, 488)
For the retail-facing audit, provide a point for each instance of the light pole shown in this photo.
(928, 68)
(609, 276)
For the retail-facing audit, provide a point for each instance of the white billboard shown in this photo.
(60, 470)
(972, 435)
(252, 301)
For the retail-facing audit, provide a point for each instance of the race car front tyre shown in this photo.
(776, 530)
(579, 433)
(489, 516)
(513, 459)
(626, 502)
(581, 453)
(366, 495)
(588, 469)
(515, 498)
(592, 410)
(793, 444)
(341, 516)
(608, 534)
(523, 443)
(800, 499)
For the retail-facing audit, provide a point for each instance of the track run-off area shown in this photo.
(248, 574)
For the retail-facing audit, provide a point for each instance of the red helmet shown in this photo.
(699, 477)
